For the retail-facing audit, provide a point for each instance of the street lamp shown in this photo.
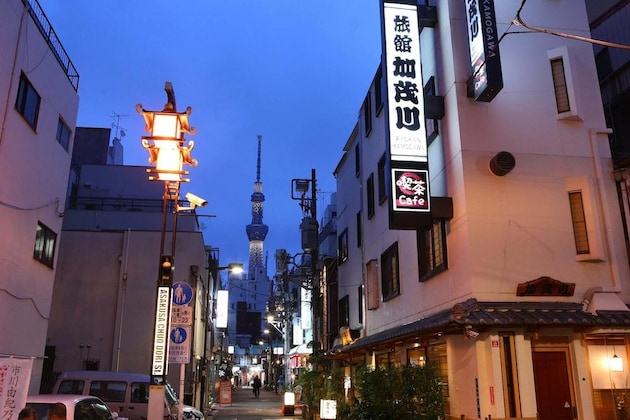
(168, 152)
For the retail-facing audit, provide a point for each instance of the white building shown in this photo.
(38, 116)
(520, 291)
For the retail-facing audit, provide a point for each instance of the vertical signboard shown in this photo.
(407, 134)
(222, 308)
(409, 206)
(159, 365)
(483, 42)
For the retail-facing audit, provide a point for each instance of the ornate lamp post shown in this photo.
(168, 153)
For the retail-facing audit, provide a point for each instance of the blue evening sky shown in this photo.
(293, 71)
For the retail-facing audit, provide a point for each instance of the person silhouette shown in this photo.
(256, 385)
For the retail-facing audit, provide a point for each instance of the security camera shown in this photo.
(470, 333)
(195, 200)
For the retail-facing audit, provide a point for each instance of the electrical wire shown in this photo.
(518, 21)
(14, 207)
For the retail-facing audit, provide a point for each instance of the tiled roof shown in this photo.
(480, 315)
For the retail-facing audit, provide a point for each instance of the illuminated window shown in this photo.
(45, 241)
(27, 102)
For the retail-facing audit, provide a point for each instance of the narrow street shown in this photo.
(245, 407)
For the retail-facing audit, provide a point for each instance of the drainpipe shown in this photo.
(605, 215)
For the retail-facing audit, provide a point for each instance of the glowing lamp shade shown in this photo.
(289, 398)
(166, 125)
(615, 364)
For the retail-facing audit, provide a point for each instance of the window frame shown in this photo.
(367, 114)
(44, 238)
(359, 228)
(579, 223)
(431, 125)
(342, 246)
(23, 101)
(382, 179)
(63, 134)
(390, 273)
(371, 207)
(432, 250)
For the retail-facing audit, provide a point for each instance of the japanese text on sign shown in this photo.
(407, 135)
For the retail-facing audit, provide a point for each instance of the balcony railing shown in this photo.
(49, 34)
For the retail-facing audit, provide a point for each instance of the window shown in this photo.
(390, 285)
(563, 84)
(357, 160)
(360, 303)
(109, 391)
(342, 246)
(578, 218)
(359, 230)
(370, 196)
(431, 124)
(378, 90)
(367, 115)
(372, 285)
(432, 250)
(344, 311)
(45, 240)
(63, 134)
(560, 85)
(27, 102)
(382, 186)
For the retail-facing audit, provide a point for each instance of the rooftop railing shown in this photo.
(49, 34)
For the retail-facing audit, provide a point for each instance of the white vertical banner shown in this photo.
(15, 377)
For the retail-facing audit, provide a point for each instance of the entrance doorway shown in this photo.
(553, 386)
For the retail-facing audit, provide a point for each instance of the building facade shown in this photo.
(516, 282)
(103, 305)
(38, 112)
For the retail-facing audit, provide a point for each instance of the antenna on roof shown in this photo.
(119, 132)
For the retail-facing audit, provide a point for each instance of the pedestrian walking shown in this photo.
(256, 385)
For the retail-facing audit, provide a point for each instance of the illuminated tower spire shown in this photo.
(256, 230)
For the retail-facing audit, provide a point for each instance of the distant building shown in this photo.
(38, 114)
(519, 291)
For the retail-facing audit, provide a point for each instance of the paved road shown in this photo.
(245, 407)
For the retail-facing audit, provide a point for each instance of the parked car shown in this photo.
(78, 407)
(124, 392)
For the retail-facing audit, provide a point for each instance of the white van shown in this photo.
(123, 392)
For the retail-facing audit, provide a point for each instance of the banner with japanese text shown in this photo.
(15, 377)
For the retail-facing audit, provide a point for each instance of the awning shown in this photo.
(301, 349)
(484, 315)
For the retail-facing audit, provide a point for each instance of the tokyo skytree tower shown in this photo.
(256, 230)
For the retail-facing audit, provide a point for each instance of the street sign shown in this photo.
(182, 293)
(181, 315)
(179, 344)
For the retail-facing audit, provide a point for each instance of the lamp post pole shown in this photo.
(168, 153)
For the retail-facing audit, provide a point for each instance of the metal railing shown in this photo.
(49, 34)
